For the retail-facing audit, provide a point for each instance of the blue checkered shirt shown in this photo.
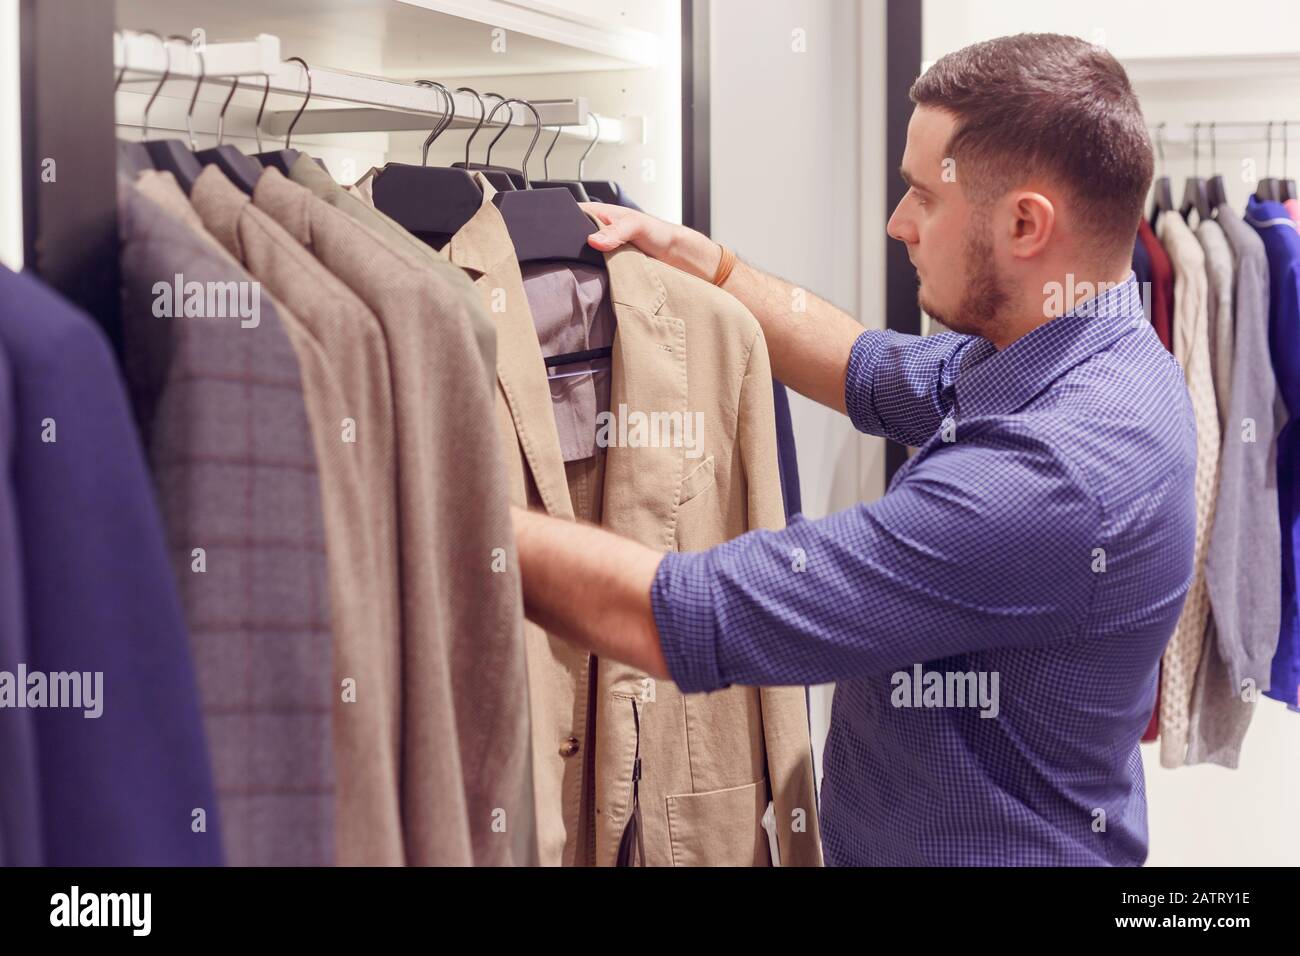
(1042, 534)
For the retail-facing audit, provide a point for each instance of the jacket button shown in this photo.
(569, 747)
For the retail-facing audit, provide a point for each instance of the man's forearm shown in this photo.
(808, 339)
(591, 587)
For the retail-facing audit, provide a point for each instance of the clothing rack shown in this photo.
(378, 104)
(1239, 131)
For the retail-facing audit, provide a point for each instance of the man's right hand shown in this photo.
(808, 339)
(678, 246)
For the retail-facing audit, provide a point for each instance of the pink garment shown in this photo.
(572, 313)
(1293, 209)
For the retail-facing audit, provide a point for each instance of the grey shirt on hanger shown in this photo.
(1243, 565)
(572, 313)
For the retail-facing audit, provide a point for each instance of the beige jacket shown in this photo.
(710, 762)
(466, 762)
(344, 367)
(1192, 349)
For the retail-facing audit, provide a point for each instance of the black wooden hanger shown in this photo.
(1164, 194)
(1195, 191)
(432, 202)
(545, 224)
(1286, 186)
(498, 176)
(283, 159)
(576, 188)
(1268, 188)
(240, 169)
(1214, 188)
(171, 155)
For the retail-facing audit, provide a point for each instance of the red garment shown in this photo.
(1162, 317)
(1162, 285)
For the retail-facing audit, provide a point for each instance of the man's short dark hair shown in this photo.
(1045, 104)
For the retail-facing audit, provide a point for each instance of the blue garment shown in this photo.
(1142, 269)
(1043, 533)
(118, 789)
(20, 820)
(786, 461)
(1282, 245)
(623, 199)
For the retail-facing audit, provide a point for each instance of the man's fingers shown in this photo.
(614, 232)
(601, 210)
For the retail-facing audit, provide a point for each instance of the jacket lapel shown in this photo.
(483, 247)
(645, 459)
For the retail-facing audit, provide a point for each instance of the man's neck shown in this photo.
(1054, 297)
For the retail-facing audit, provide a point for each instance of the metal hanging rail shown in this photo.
(1225, 131)
(378, 104)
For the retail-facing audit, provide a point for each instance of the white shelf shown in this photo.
(407, 39)
(1251, 68)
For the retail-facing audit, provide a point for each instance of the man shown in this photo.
(1039, 545)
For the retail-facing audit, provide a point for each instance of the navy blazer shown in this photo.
(122, 788)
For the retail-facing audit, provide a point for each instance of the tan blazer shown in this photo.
(344, 370)
(466, 760)
(710, 762)
(307, 172)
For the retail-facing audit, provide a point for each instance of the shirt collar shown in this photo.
(1000, 382)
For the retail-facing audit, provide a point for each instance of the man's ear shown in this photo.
(1033, 220)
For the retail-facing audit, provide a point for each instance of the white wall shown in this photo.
(1203, 815)
(1127, 29)
(797, 170)
(11, 206)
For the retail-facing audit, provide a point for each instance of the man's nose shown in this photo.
(900, 227)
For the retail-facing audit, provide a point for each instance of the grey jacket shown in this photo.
(1243, 564)
(220, 408)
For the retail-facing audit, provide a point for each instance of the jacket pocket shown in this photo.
(697, 482)
(719, 827)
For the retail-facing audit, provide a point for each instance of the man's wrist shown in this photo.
(694, 252)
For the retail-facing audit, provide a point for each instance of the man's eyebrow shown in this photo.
(910, 181)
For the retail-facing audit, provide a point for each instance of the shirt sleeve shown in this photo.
(899, 386)
(990, 543)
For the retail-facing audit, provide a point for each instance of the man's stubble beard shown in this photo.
(985, 296)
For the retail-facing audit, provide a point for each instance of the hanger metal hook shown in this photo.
(1214, 152)
(487, 159)
(1196, 150)
(537, 132)
(1268, 161)
(122, 72)
(450, 114)
(546, 157)
(167, 72)
(1160, 145)
(447, 106)
(582, 160)
(194, 97)
(1284, 139)
(482, 114)
(257, 123)
(221, 117)
(307, 99)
